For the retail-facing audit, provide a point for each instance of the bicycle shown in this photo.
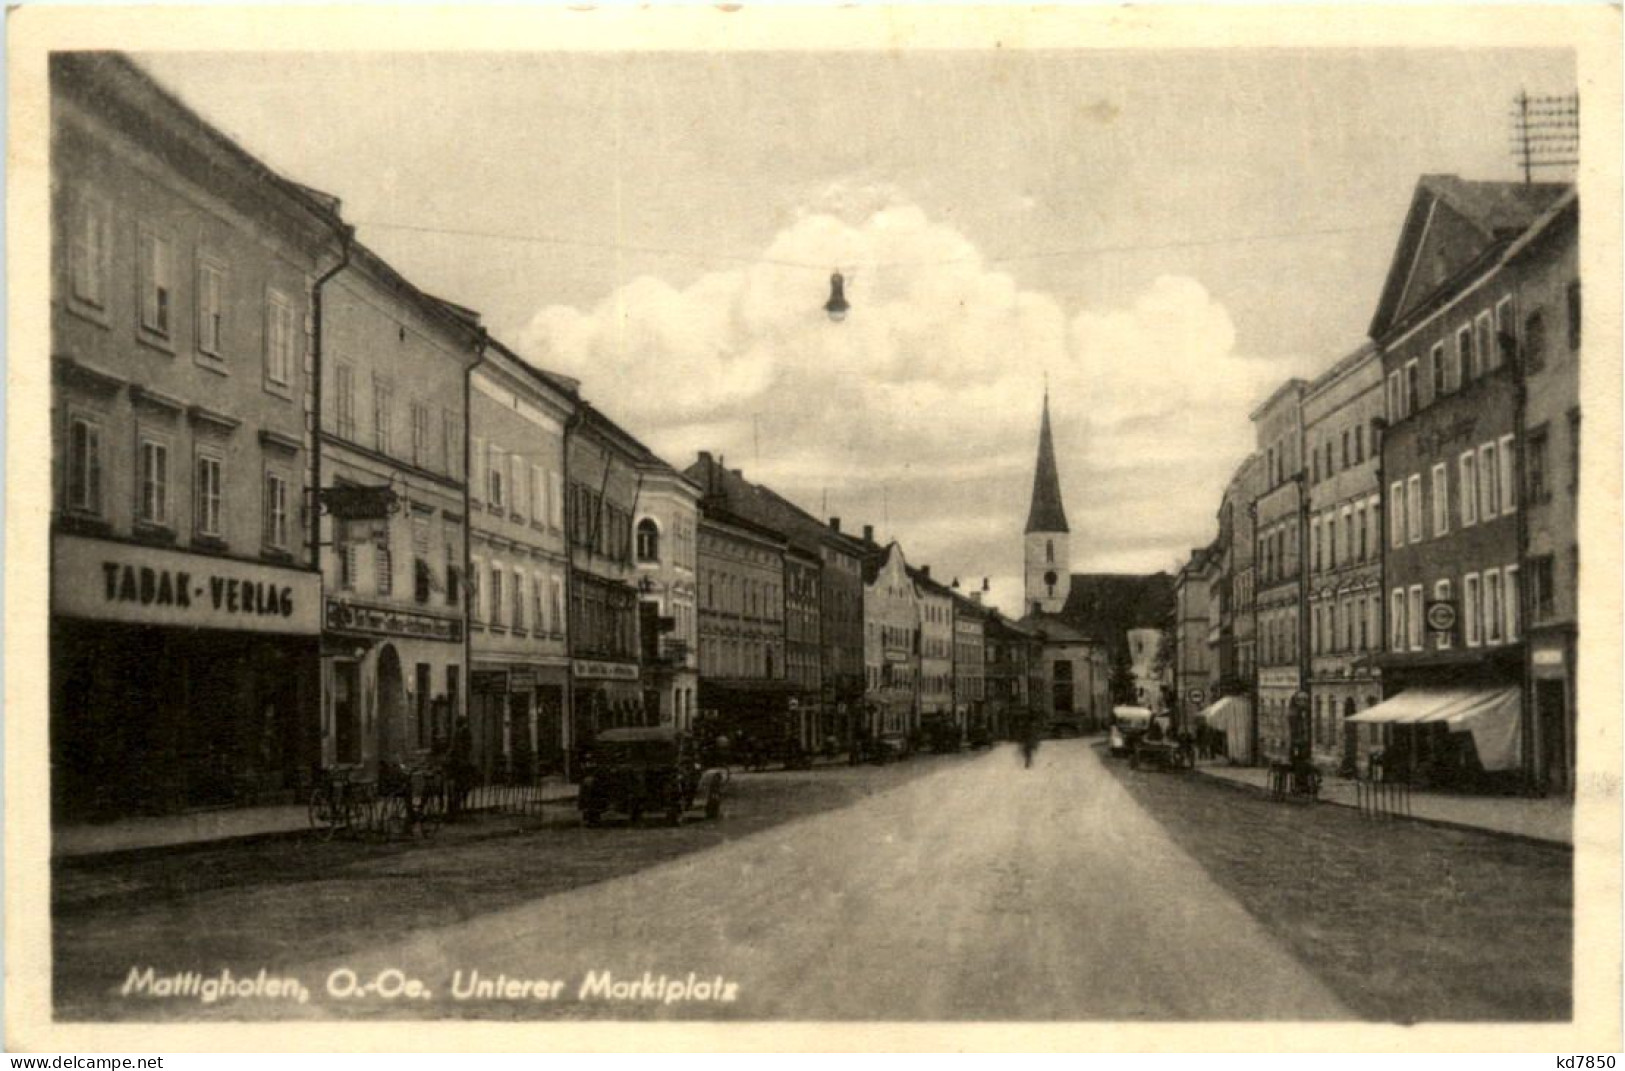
(338, 801)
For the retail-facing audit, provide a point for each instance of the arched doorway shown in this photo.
(391, 692)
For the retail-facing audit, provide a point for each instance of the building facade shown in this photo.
(1144, 645)
(1195, 624)
(602, 488)
(935, 603)
(742, 639)
(891, 644)
(1238, 584)
(803, 660)
(394, 375)
(1013, 675)
(185, 612)
(1278, 522)
(1449, 331)
(970, 661)
(519, 680)
(667, 555)
(1342, 417)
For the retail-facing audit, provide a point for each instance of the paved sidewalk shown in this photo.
(1538, 819)
(167, 831)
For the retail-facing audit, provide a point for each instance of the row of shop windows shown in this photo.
(154, 490)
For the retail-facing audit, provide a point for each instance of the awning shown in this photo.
(1490, 714)
(1218, 714)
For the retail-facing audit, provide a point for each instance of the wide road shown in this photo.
(983, 891)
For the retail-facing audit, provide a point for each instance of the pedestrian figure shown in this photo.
(1029, 744)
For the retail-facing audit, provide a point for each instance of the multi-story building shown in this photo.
(1195, 654)
(1342, 414)
(803, 666)
(184, 612)
(970, 659)
(1238, 584)
(602, 464)
(1278, 535)
(742, 640)
(1546, 265)
(891, 651)
(935, 603)
(394, 376)
(667, 536)
(1014, 675)
(840, 678)
(519, 680)
(1448, 325)
(1144, 646)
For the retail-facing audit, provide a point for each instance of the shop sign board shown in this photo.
(586, 669)
(488, 681)
(1441, 616)
(521, 680)
(107, 581)
(346, 616)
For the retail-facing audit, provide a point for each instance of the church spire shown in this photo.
(1047, 514)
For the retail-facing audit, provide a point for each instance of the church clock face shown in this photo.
(1050, 578)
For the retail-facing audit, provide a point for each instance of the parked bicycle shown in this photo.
(340, 800)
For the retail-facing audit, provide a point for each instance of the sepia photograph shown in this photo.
(746, 529)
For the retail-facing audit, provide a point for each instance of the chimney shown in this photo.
(706, 459)
(868, 533)
(955, 584)
(976, 597)
(984, 584)
(835, 524)
(925, 571)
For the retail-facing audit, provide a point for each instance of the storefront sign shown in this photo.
(345, 616)
(1548, 656)
(350, 503)
(488, 681)
(604, 671)
(1195, 695)
(521, 680)
(104, 581)
(1441, 616)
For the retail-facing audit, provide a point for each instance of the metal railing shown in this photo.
(1380, 794)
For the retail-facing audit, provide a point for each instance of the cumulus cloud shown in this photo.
(919, 412)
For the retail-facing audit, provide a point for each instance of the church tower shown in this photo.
(1048, 558)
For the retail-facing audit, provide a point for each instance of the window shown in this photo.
(477, 458)
(1314, 541)
(1508, 484)
(1347, 458)
(88, 254)
(420, 434)
(1413, 617)
(211, 285)
(1359, 443)
(1574, 449)
(538, 496)
(1049, 551)
(1544, 595)
(1441, 593)
(1489, 354)
(206, 515)
(1534, 342)
(157, 281)
(383, 560)
(1441, 499)
(517, 604)
(476, 596)
(153, 507)
(1395, 412)
(1469, 489)
(1348, 534)
(1413, 386)
(496, 476)
(1574, 314)
(648, 541)
(558, 606)
(344, 377)
(1436, 360)
(1466, 355)
(555, 500)
(1493, 609)
(279, 342)
(451, 540)
(496, 594)
(1396, 620)
(1396, 514)
(1489, 487)
(84, 466)
(344, 547)
(1535, 465)
(276, 510)
(1314, 466)
(1506, 330)
(1359, 525)
(1514, 609)
(383, 400)
(451, 444)
(1413, 507)
(1471, 610)
(538, 605)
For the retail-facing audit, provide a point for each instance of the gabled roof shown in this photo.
(930, 585)
(1046, 513)
(1498, 211)
(878, 558)
(1107, 605)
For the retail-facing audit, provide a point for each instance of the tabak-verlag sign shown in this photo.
(105, 581)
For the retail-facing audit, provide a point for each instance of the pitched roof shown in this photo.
(1499, 211)
(1107, 605)
(1046, 513)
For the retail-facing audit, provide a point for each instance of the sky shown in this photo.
(1162, 237)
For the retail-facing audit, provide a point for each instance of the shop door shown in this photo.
(550, 728)
(391, 727)
(1553, 737)
(521, 738)
(347, 712)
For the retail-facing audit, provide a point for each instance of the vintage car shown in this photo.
(1128, 725)
(657, 769)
